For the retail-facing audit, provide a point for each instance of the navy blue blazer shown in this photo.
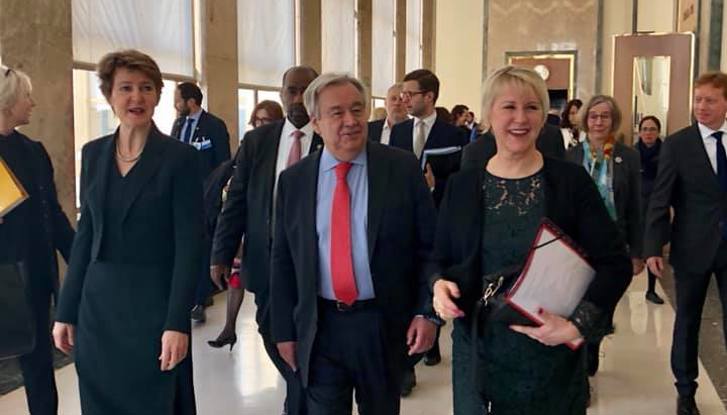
(212, 128)
(441, 135)
(375, 129)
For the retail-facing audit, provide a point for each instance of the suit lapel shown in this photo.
(146, 167)
(433, 134)
(200, 123)
(378, 170)
(316, 144)
(309, 217)
(698, 146)
(97, 194)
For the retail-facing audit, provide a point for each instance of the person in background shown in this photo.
(31, 234)
(459, 118)
(378, 114)
(265, 112)
(208, 135)
(649, 145)
(380, 130)
(124, 307)
(487, 222)
(569, 127)
(616, 170)
(216, 188)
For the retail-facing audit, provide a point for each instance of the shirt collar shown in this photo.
(328, 162)
(428, 120)
(195, 116)
(707, 132)
(288, 128)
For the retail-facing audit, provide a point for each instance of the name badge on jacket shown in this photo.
(202, 144)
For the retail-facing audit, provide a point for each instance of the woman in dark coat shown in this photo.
(124, 306)
(520, 370)
(616, 170)
(31, 233)
(649, 146)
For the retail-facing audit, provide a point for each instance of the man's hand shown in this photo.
(656, 265)
(64, 336)
(444, 294)
(420, 336)
(219, 273)
(637, 265)
(555, 330)
(429, 176)
(287, 352)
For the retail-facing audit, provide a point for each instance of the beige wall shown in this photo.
(458, 52)
(656, 16)
(546, 26)
(616, 21)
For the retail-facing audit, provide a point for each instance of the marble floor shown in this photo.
(634, 378)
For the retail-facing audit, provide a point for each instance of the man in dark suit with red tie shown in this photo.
(350, 296)
(248, 211)
(692, 180)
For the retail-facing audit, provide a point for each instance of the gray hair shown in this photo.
(323, 81)
(510, 75)
(13, 83)
(601, 99)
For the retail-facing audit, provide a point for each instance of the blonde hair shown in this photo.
(596, 100)
(13, 84)
(513, 75)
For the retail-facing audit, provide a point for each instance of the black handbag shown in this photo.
(17, 322)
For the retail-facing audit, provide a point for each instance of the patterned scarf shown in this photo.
(599, 164)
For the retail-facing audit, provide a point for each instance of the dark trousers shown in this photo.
(691, 291)
(295, 399)
(353, 354)
(37, 366)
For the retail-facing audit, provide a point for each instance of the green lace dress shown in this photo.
(517, 374)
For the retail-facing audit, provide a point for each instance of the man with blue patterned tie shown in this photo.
(692, 179)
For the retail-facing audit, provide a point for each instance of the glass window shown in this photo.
(245, 105)
(161, 28)
(338, 33)
(384, 26)
(265, 40)
(413, 35)
(264, 95)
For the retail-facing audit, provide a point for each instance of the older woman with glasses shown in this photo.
(124, 307)
(487, 221)
(31, 233)
(616, 170)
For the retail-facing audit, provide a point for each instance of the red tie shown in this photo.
(344, 283)
(294, 155)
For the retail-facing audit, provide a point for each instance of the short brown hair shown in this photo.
(427, 80)
(716, 79)
(132, 60)
(601, 99)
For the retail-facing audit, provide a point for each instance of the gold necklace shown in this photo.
(124, 159)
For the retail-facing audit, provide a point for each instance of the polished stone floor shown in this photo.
(634, 379)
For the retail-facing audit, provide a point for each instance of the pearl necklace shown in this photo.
(124, 159)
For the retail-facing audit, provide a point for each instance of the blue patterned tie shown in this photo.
(188, 130)
(721, 176)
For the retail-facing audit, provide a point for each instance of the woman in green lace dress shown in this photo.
(487, 221)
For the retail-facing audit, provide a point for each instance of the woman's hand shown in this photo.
(174, 349)
(637, 265)
(444, 294)
(64, 336)
(555, 330)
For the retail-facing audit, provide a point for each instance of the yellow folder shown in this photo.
(12, 192)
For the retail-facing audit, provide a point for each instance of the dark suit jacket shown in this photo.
(162, 221)
(399, 232)
(571, 201)
(54, 232)
(687, 183)
(441, 135)
(375, 129)
(249, 206)
(627, 192)
(476, 154)
(209, 127)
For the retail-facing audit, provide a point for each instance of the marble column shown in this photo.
(400, 60)
(428, 33)
(365, 42)
(309, 34)
(35, 37)
(219, 63)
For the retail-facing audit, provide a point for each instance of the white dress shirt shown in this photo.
(386, 133)
(710, 144)
(286, 142)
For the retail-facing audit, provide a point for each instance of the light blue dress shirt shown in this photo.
(358, 185)
(193, 126)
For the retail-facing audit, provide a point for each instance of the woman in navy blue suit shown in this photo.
(124, 307)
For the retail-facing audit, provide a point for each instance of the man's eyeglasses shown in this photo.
(409, 94)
